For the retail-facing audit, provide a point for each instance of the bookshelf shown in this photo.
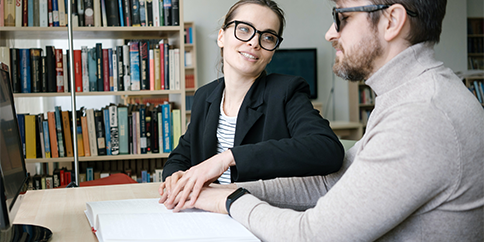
(475, 43)
(81, 35)
(361, 102)
(475, 84)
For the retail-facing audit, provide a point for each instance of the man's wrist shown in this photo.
(234, 196)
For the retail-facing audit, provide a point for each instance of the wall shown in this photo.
(475, 8)
(307, 22)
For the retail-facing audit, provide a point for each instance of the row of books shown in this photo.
(366, 96)
(476, 63)
(134, 66)
(97, 13)
(475, 26)
(475, 45)
(477, 88)
(113, 130)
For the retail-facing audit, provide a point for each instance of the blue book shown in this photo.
(107, 130)
(123, 130)
(89, 174)
(482, 90)
(30, 10)
(110, 59)
(58, 127)
(55, 13)
(144, 176)
(25, 77)
(92, 68)
(21, 127)
(166, 121)
(121, 11)
(142, 125)
(478, 92)
(45, 125)
(134, 65)
(142, 12)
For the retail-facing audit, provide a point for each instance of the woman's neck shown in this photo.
(236, 87)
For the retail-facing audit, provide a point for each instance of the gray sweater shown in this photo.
(416, 175)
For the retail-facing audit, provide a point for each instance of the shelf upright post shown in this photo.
(74, 183)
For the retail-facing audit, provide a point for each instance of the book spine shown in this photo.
(143, 140)
(171, 69)
(162, 65)
(21, 127)
(15, 69)
(121, 13)
(61, 7)
(30, 137)
(88, 13)
(66, 72)
(78, 135)
(127, 12)
(97, 13)
(51, 68)
(162, 14)
(176, 117)
(78, 70)
(114, 131)
(91, 127)
(92, 69)
(55, 13)
(123, 130)
(36, 69)
(127, 68)
(85, 68)
(59, 70)
(156, 67)
(166, 65)
(66, 124)
(156, 13)
(46, 137)
(25, 13)
(43, 12)
(100, 65)
(149, 12)
(49, 14)
(18, 13)
(9, 10)
(89, 174)
(175, 12)
(142, 12)
(81, 12)
(106, 70)
(152, 70)
(115, 84)
(40, 135)
(112, 12)
(36, 13)
(176, 68)
(52, 134)
(107, 131)
(154, 143)
(135, 13)
(30, 12)
(144, 65)
(104, 14)
(101, 141)
(134, 66)
(167, 12)
(160, 128)
(58, 125)
(166, 119)
(120, 68)
(25, 78)
(44, 80)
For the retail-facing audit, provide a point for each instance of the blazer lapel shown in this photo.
(248, 113)
(212, 118)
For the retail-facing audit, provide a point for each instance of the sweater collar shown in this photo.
(407, 65)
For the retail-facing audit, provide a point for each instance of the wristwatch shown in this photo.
(234, 196)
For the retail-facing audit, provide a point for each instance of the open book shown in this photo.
(147, 220)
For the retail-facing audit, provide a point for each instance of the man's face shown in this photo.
(357, 44)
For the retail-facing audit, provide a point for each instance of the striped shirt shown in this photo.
(225, 137)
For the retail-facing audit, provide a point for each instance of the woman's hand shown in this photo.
(192, 181)
(168, 185)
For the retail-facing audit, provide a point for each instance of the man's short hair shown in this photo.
(427, 26)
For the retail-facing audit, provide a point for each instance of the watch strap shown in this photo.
(234, 196)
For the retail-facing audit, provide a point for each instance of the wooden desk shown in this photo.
(62, 210)
(347, 130)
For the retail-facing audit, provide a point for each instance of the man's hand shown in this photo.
(192, 181)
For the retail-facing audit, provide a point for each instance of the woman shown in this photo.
(248, 125)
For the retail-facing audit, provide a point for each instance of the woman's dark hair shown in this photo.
(265, 3)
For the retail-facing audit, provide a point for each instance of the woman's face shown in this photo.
(247, 58)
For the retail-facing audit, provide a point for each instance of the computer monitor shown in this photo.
(297, 62)
(13, 173)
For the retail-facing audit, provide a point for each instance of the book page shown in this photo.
(147, 220)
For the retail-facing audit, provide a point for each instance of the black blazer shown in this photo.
(278, 132)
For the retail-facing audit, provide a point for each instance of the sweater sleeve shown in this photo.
(390, 179)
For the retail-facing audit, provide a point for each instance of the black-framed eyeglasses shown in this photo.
(243, 31)
(367, 8)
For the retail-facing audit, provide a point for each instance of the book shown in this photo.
(126, 68)
(135, 13)
(144, 65)
(121, 13)
(39, 130)
(166, 66)
(9, 9)
(78, 133)
(25, 74)
(166, 120)
(120, 68)
(59, 68)
(154, 139)
(81, 12)
(30, 137)
(36, 13)
(127, 12)
(112, 12)
(114, 130)
(142, 130)
(110, 68)
(43, 13)
(91, 127)
(115, 83)
(55, 13)
(92, 69)
(100, 67)
(97, 13)
(66, 125)
(52, 135)
(149, 13)
(142, 12)
(167, 12)
(50, 61)
(88, 13)
(44, 80)
(18, 13)
(127, 220)
(123, 130)
(152, 69)
(50, 17)
(58, 126)
(101, 141)
(134, 65)
(104, 15)
(107, 130)
(106, 71)
(85, 68)
(156, 68)
(61, 7)
(15, 69)
(21, 127)
(176, 117)
(78, 70)
(175, 12)
(30, 12)
(156, 13)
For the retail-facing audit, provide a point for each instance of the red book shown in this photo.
(106, 70)
(49, 13)
(67, 178)
(25, 13)
(62, 178)
(59, 69)
(78, 70)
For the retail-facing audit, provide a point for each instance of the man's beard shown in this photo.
(358, 65)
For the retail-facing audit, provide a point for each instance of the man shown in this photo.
(417, 173)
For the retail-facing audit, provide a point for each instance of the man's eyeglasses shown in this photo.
(245, 32)
(368, 8)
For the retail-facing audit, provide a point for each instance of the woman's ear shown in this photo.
(220, 38)
(396, 17)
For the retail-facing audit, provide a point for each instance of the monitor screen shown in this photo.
(297, 62)
(13, 173)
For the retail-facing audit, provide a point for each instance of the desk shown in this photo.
(62, 210)
(347, 130)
